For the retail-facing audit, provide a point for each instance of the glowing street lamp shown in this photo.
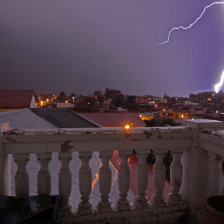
(127, 126)
(41, 103)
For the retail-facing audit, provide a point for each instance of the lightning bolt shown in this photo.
(192, 24)
(218, 85)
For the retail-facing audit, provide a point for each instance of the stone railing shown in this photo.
(195, 172)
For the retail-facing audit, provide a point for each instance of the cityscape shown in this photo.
(202, 105)
(152, 110)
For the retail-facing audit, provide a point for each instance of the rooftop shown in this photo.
(115, 119)
(16, 98)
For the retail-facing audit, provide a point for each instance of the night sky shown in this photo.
(83, 45)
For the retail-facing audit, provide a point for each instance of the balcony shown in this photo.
(195, 171)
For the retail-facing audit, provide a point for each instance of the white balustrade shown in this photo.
(105, 182)
(85, 180)
(195, 144)
(142, 180)
(123, 181)
(44, 177)
(21, 177)
(176, 172)
(215, 175)
(65, 182)
(158, 180)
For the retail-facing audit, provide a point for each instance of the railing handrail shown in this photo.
(71, 131)
(212, 141)
(94, 139)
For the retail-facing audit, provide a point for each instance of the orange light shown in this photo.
(41, 103)
(127, 126)
(95, 180)
(140, 115)
(66, 101)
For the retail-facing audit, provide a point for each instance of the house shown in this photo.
(16, 99)
(142, 100)
(147, 115)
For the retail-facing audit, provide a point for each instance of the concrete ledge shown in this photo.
(203, 123)
(166, 215)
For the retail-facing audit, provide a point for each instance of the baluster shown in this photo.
(142, 180)
(158, 180)
(176, 172)
(123, 182)
(105, 182)
(215, 175)
(21, 177)
(85, 179)
(44, 178)
(65, 183)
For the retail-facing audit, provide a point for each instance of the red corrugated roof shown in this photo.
(15, 98)
(114, 119)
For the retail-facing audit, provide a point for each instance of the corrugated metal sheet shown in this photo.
(23, 118)
(63, 118)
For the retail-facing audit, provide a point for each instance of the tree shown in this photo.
(118, 100)
(62, 94)
(131, 99)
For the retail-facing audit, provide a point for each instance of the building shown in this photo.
(110, 93)
(142, 100)
(147, 115)
(16, 99)
(65, 105)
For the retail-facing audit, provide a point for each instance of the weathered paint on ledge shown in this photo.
(72, 131)
(92, 139)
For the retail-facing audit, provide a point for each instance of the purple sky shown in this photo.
(83, 45)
